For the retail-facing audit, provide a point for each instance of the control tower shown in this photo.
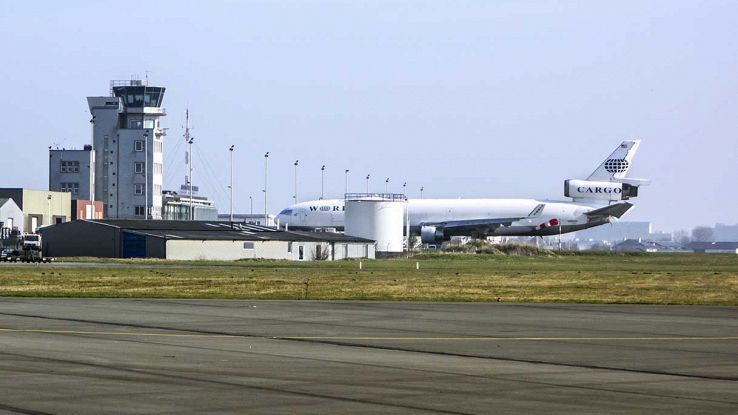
(128, 144)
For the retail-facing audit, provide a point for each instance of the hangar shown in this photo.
(196, 240)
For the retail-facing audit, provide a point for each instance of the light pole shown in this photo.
(404, 185)
(92, 169)
(231, 186)
(48, 206)
(251, 204)
(367, 183)
(295, 196)
(189, 177)
(322, 177)
(386, 186)
(146, 175)
(559, 236)
(345, 179)
(266, 182)
(421, 192)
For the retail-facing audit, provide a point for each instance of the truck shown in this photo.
(28, 248)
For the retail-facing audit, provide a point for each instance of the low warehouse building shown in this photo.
(193, 240)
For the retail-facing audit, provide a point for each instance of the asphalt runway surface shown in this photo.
(207, 356)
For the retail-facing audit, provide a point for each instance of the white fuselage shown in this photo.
(421, 212)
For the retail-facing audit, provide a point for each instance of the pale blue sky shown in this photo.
(466, 98)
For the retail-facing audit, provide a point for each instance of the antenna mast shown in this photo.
(188, 160)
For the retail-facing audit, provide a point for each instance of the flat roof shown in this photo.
(218, 230)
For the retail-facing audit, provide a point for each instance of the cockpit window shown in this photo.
(286, 212)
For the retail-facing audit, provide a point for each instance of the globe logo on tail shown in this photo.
(616, 165)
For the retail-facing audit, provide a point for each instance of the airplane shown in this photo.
(597, 200)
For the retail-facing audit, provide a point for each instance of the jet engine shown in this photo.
(430, 234)
(609, 191)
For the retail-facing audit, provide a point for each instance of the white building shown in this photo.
(11, 217)
(269, 220)
(186, 207)
(39, 207)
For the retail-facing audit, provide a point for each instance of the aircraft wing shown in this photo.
(617, 210)
(487, 222)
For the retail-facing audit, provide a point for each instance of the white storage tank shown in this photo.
(380, 217)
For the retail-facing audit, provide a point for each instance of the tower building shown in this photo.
(127, 141)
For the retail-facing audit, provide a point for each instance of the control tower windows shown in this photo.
(140, 96)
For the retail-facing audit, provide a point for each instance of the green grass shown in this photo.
(591, 278)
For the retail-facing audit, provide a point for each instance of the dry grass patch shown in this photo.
(655, 279)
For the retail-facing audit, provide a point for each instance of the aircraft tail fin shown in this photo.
(617, 165)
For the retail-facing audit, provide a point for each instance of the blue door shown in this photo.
(134, 245)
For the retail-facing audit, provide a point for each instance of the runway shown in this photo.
(220, 356)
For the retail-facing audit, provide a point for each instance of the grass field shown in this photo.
(592, 278)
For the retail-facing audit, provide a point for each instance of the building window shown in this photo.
(248, 245)
(300, 252)
(135, 124)
(138, 145)
(72, 188)
(158, 168)
(157, 190)
(138, 189)
(158, 146)
(148, 123)
(289, 247)
(70, 167)
(138, 167)
(139, 210)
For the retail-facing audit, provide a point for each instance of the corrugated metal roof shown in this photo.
(184, 225)
(221, 231)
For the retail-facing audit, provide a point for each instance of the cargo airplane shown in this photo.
(596, 200)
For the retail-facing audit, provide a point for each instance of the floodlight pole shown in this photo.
(386, 185)
(146, 174)
(367, 184)
(407, 224)
(322, 180)
(231, 186)
(48, 207)
(296, 164)
(266, 182)
(93, 166)
(421, 191)
(345, 179)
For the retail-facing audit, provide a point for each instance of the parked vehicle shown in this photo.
(29, 249)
